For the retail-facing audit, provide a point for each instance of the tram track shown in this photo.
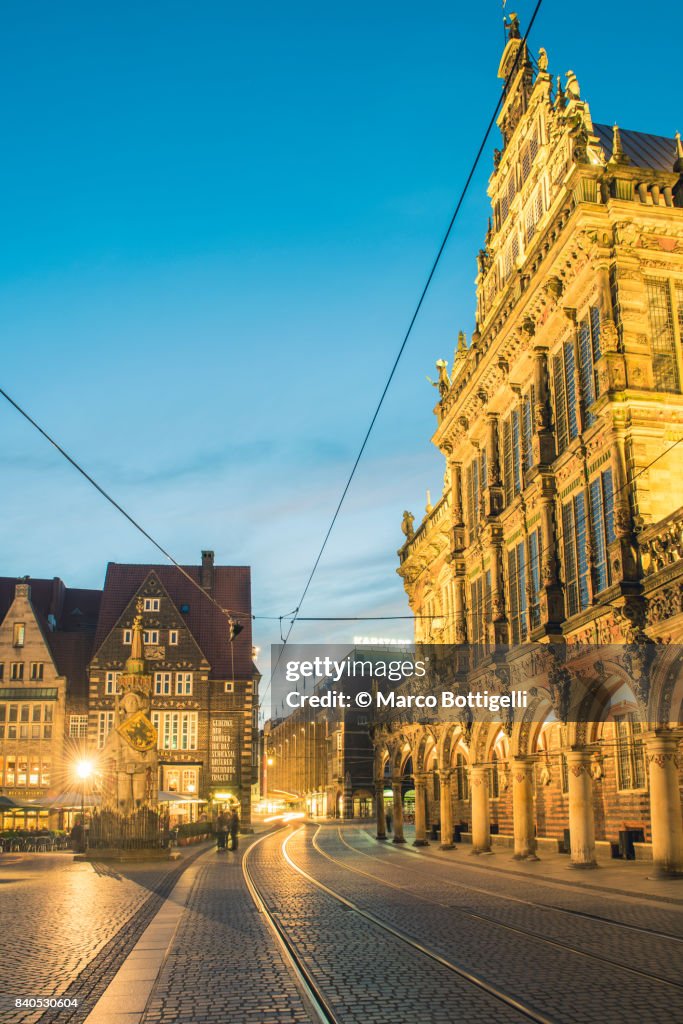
(598, 919)
(475, 915)
(323, 1008)
(546, 882)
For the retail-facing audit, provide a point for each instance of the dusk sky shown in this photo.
(217, 220)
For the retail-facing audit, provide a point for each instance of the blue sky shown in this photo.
(217, 219)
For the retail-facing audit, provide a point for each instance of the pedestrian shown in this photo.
(234, 826)
(389, 818)
(222, 827)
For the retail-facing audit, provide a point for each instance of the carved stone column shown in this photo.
(552, 597)
(459, 604)
(665, 804)
(420, 810)
(581, 819)
(523, 808)
(543, 442)
(493, 480)
(445, 777)
(481, 814)
(396, 786)
(379, 808)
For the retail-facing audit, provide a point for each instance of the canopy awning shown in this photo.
(177, 798)
(68, 799)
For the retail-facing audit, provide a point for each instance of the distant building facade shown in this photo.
(46, 637)
(561, 515)
(205, 687)
(322, 758)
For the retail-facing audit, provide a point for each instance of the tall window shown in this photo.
(512, 457)
(111, 682)
(162, 683)
(19, 634)
(476, 482)
(78, 727)
(462, 783)
(589, 353)
(480, 599)
(575, 556)
(602, 521)
(564, 388)
(517, 590)
(36, 671)
(535, 578)
(183, 683)
(528, 429)
(665, 309)
(177, 730)
(105, 724)
(494, 781)
(630, 752)
(17, 671)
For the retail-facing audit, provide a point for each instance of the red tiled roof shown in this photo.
(72, 653)
(209, 627)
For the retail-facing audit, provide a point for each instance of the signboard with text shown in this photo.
(225, 750)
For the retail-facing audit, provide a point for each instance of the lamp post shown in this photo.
(84, 771)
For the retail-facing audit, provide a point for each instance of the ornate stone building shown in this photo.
(560, 523)
(204, 688)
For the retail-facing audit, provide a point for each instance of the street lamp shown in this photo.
(84, 771)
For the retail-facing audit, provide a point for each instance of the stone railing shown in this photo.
(661, 544)
(432, 519)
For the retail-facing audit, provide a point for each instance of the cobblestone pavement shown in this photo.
(366, 975)
(224, 964)
(454, 920)
(63, 922)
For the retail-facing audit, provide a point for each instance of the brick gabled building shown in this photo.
(205, 700)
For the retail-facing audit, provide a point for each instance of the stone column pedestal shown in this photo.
(398, 811)
(481, 815)
(581, 819)
(445, 777)
(379, 809)
(420, 810)
(523, 808)
(665, 805)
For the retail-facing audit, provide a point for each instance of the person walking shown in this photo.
(389, 819)
(234, 826)
(222, 829)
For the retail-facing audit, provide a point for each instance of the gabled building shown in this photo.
(46, 640)
(205, 687)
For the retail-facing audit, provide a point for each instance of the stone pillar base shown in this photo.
(586, 866)
(400, 839)
(525, 856)
(382, 839)
(664, 875)
(447, 846)
(481, 853)
(420, 842)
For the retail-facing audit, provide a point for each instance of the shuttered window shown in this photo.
(512, 459)
(535, 578)
(589, 353)
(663, 332)
(574, 535)
(602, 521)
(528, 429)
(564, 388)
(517, 591)
(630, 753)
(480, 608)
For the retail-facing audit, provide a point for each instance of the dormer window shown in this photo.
(151, 604)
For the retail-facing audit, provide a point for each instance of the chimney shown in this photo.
(206, 574)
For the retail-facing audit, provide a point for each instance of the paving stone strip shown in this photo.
(98, 973)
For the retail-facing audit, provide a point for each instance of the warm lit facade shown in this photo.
(46, 636)
(204, 688)
(561, 515)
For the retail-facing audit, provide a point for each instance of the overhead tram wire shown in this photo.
(406, 337)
